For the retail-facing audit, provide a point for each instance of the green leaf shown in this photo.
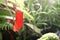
(27, 15)
(2, 20)
(33, 27)
(4, 12)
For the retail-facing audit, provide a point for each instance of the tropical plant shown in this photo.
(39, 16)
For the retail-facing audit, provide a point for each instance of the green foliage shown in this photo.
(4, 12)
(2, 20)
(4, 25)
(37, 12)
(44, 13)
(47, 11)
(49, 36)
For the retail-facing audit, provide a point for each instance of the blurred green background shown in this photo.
(40, 17)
